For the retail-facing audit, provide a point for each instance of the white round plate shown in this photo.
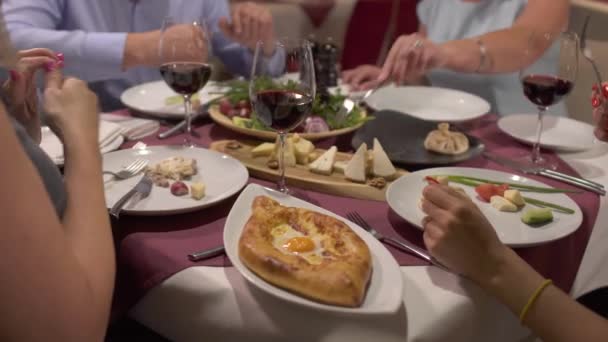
(430, 103)
(385, 291)
(559, 133)
(223, 176)
(403, 196)
(149, 98)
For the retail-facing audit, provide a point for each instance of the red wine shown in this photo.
(282, 110)
(185, 78)
(545, 90)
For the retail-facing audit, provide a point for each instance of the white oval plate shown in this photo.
(559, 133)
(429, 103)
(223, 176)
(385, 291)
(403, 195)
(149, 98)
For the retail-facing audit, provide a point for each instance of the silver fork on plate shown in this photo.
(402, 245)
(130, 170)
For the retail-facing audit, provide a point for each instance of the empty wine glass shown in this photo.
(545, 83)
(184, 51)
(282, 104)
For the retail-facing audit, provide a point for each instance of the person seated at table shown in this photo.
(471, 45)
(58, 263)
(115, 43)
(458, 235)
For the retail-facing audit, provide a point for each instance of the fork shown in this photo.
(587, 52)
(130, 170)
(402, 245)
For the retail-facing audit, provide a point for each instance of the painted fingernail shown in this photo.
(50, 66)
(15, 76)
(60, 56)
(60, 64)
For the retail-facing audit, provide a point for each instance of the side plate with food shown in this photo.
(513, 215)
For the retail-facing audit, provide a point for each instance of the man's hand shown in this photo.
(248, 24)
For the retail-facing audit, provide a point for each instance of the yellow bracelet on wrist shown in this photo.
(533, 299)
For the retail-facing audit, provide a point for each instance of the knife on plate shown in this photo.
(142, 188)
(562, 177)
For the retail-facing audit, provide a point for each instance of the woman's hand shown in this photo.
(362, 77)
(21, 88)
(458, 234)
(72, 109)
(411, 57)
(599, 101)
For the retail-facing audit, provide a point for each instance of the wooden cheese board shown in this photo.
(300, 175)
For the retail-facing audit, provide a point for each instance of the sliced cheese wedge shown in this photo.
(340, 166)
(355, 170)
(303, 149)
(382, 166)
(263, 150)
(290, 152)
(325, 163)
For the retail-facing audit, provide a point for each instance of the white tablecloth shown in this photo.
(217, 304)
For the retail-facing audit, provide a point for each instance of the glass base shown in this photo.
(540, 162)
(282, 188)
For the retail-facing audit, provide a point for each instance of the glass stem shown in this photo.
(188, 110)
(539, 130)
(281, 182)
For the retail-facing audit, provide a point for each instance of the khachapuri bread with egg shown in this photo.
(311, 254)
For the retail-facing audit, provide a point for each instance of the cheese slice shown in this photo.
(325, 163)
(290, 155)
(263, 150)
(382, 166)
(340, 166)
(303, 148)
(355, 170)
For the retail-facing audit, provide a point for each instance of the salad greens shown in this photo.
(326, 107)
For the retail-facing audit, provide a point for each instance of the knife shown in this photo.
(202, 112)
(562, 177)
(206, 254)
(143, 188)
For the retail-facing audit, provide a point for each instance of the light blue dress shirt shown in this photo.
(447, 20)
(92, 35)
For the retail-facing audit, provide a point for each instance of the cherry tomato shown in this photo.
(605, 90)
(595, 102)
(431, 180)
(225, 106)
(486, 190)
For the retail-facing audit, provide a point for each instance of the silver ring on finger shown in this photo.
(418, 44)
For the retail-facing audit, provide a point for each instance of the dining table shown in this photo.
(209, 300)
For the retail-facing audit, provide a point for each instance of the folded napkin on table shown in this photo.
(132, 128)
(109, 132)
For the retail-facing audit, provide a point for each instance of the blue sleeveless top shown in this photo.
(48, 171)
(447, 20)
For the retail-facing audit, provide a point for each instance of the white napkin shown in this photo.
(132, 128)
(108, 133)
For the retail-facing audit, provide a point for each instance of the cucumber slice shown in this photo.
(535, 216)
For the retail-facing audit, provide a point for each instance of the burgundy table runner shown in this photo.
(151, 249)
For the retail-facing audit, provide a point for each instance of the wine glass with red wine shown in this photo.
(184, 52)
(548, 79)
(282, 95)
